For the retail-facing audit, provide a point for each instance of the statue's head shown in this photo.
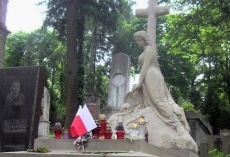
(143, 36)
(126, 108)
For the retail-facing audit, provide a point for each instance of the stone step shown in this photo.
(99, 148)
(122, 145)
(56, 153)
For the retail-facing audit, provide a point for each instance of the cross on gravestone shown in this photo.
(218, 144)
(152, 12)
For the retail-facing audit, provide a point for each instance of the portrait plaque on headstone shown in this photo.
(21, 91)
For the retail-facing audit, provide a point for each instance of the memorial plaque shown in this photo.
(119, 80)
(21, 91)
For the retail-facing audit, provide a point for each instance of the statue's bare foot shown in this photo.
(180, 130)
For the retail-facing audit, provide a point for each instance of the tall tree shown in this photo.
(103, 14)
(72, 63)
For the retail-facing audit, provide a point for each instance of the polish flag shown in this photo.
(76, 118)
(83, 122)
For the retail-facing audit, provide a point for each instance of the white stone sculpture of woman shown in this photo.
(152, 88)
(166, 124)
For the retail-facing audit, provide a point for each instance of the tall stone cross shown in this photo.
(152, 12)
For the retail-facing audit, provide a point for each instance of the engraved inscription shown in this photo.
(15, 126)
(15, 147)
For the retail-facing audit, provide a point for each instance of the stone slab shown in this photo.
(71, 154)
(20, 102)
(113, 146)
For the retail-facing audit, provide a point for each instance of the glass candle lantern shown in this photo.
(108, 132)
(57, 130)
(96, 130)
(120, 131)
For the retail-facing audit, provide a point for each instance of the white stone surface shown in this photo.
(44, 123)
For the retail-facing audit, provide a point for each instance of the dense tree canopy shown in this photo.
(193, 47)
(199, 33)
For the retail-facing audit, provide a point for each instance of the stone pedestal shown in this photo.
(110, 146)
(43, 129)
(98, 148)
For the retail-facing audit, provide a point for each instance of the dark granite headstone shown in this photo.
(21, 91)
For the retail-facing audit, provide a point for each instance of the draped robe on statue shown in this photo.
(154, 102)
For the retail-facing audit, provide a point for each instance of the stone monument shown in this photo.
(150, 99)
(119, 82)
(3, 30)
(44, 123)
(21, 91)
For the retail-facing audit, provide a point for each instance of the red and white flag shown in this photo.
(72, 127)
(83, 122)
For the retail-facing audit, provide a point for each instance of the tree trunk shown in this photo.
(71, 66)
(90, 92)
(81, 56)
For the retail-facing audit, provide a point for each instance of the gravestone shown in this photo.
(3, 30)
(218, 144)
(21, 91)
(119, 82)
(203, 152)
(44, 123)
(200, 128)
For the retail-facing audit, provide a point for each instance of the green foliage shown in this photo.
(15, 49)
(198, 34)
(188, 106)
(193, 47)
(101, 86)
(217, 153)
(42, 149)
